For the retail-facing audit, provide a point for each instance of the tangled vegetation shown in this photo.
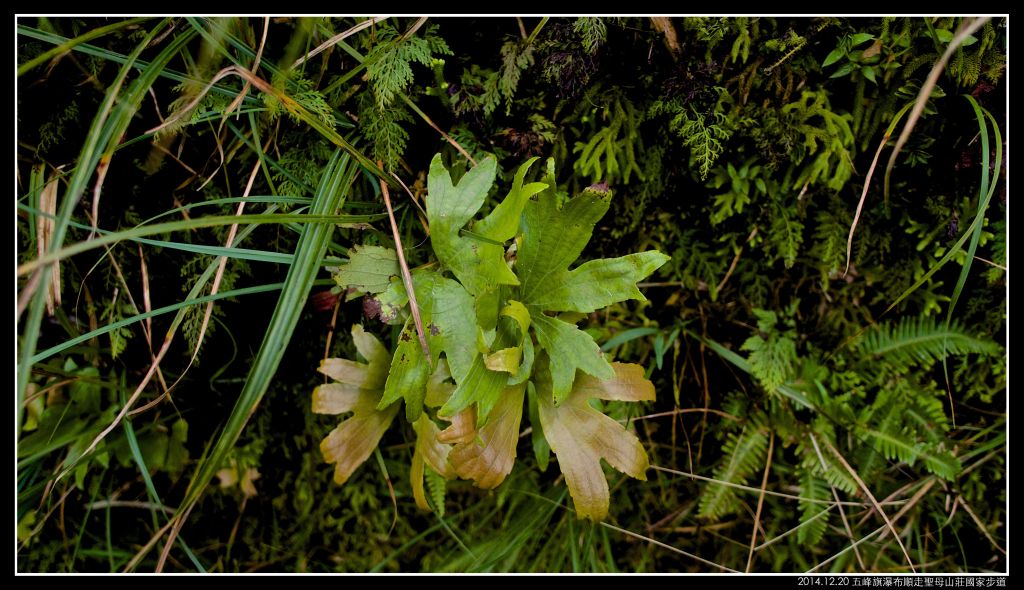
(585, 294)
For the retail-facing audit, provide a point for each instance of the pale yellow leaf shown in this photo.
(359, 389)
(506, 359)
(335, 398)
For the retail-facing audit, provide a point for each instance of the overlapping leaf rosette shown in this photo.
(499, 317)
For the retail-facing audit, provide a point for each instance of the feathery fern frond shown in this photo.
(773, 355)
(744, 456)
(388, 63)
(906, 424)
(382, 128)
(785, 233)
(898, 445)
(920, 341)
(813, 521)
(437, 487)
(593, 30)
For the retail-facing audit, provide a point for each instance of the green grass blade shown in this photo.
(627, 335)
(68, 45)
(154, 497)
(141, 65)
(171, 226)
(110, 123)
(985, 191)
(312, 245)
(45, 354)
(976, 224)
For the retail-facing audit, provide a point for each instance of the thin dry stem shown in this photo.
(760, 502)
(735, 259)
(874, 502)
(666, 546)
(835, 495)
(981, 526)
(860, 204)
(770, 493)
(338, 38)
(926, 92)
(406, 275)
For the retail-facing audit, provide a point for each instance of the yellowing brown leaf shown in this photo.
(358, 390)
(581, 436)
(488, 457)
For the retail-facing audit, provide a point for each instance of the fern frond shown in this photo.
(388, 63)
(383, 129)
(514, 59)
(772, 359)
(994, 273)
(832, 472)
(593, 31)
(786, 234)
(437, 487)
(899, 446)
(920, 341)
(744, 456)
(813, 515)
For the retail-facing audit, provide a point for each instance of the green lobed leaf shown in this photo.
(449, 329)
(478, 265)
(569, 348)
(554, 235)
(369, 269)
(503, 222)
(599, 283)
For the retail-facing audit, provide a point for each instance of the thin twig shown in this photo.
(926, 92)
(237, 102)
(852, 546)
(760, 502)
(178, 523)
(687, 411)
(981, 526)
(910, 503)
(770, 493)
(415, 27)
(666, 546)
(412, 197)
(129, 504)
(337, 38)
(989, 262)
(229, 242)
(430, 122)
(735, 259)
(330, 331)
(778, 538)
(406, 275)
(146, 333)
(101, 175)
(863, 197)
(127, 406)
(835, 495)
(871, 497)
